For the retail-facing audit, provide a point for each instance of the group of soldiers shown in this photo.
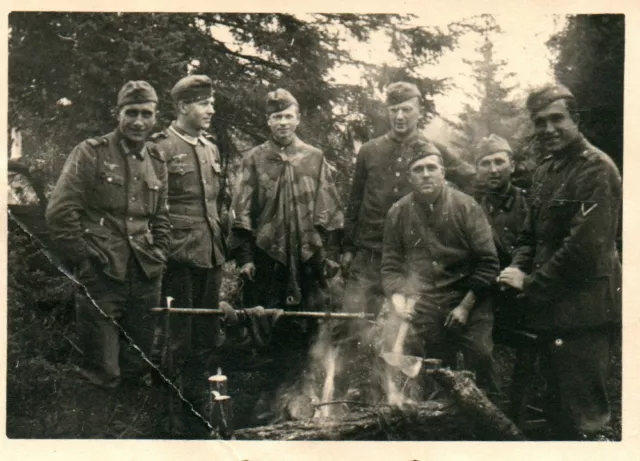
(448, 247)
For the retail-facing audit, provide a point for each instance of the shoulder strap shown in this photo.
(98, 145)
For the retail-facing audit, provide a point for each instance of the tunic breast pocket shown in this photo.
(152, 192)
(180, 176)
(111, 191)
(558, 216)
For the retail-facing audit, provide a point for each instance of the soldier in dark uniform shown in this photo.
(196, 253)
(108, 215)
(506, 207)
(567, 265)
(438, 252)
(504, 203)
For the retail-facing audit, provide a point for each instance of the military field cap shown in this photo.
(136, 92)
(490, 145)
(279, 100)
(400, 92)
(192, 88)
(542, 97)
(420, 149)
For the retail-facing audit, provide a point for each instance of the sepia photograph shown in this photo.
(314, 226)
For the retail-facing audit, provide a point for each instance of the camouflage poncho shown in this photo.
(283, 195)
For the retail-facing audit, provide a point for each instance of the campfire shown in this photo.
(346, 395)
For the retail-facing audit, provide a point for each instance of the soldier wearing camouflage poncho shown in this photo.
(285, 206)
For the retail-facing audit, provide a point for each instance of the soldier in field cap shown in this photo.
(504, 203)
(197, 252)
(567, 266)
(108, 215)
(438, 262)
(280, 257)
(287, 213)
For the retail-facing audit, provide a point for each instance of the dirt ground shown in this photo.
(47, 399)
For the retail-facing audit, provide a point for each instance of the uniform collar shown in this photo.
(186, 137)
(392, 136)
(126, 148)
(579, 147)
(281, 149)
(507, 195)
(430, 207)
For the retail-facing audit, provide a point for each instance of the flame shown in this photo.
(328, 388)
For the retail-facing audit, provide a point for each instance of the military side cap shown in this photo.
(542, 97)
(420, 149)
(400, 92)
(192, 88)
(136, 92)
(279, 100)
(490, 145)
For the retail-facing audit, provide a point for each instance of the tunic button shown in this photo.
(131, 237)
(204, 182)
(133, 199)
(434, 263)
(397, 173)
(109, 179)
(395, 189)
(135, 178)
(506, 228)
(399, 159)
(130, 219)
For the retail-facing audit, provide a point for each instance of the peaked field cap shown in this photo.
(491, 144)
(278, 100)
(401, 91)
(136, 92)
(192, 88)
(420, 149)
(545, 95)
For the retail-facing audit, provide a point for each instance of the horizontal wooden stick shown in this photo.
(309, 314)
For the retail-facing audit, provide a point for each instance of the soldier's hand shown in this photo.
(331, 268)
(345, 263)
(457, 318)
(248, 271)
(513, 277)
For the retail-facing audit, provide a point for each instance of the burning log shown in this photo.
(475, 403)
(468, 415)
(426, 421)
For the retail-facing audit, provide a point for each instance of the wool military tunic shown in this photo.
(194, 170)
(506, 212)
(438, 255)
(568, 243)
(111, 203)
